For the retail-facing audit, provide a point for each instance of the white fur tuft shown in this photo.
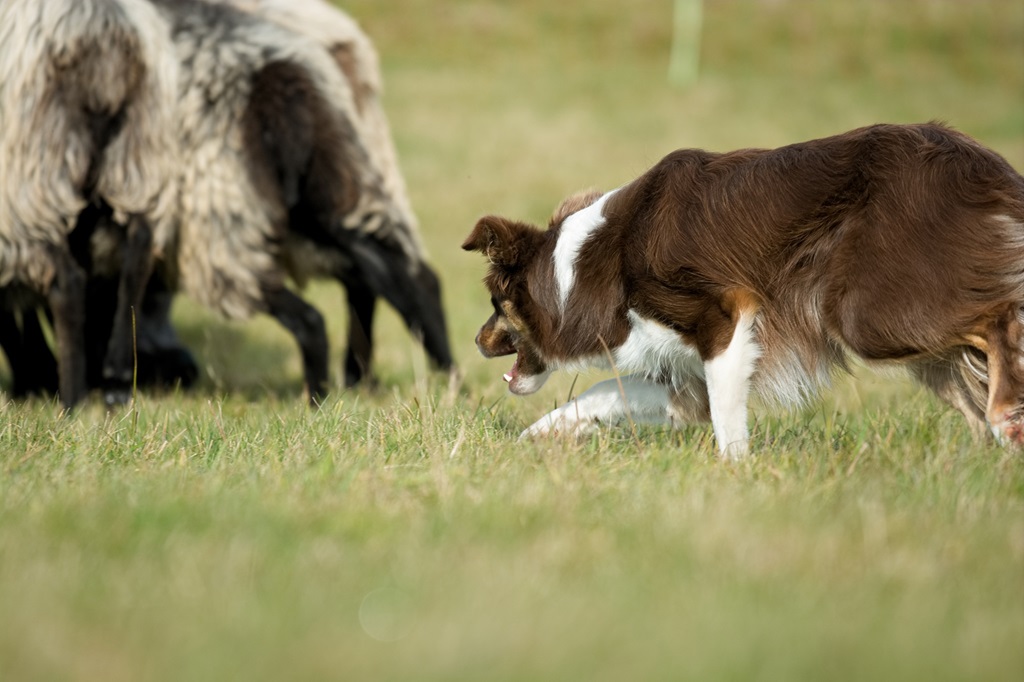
(576, 229)
(657, 352)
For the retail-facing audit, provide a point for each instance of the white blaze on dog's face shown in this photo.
(511, 248)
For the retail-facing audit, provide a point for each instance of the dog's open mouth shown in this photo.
(528, 372)
(514, 372)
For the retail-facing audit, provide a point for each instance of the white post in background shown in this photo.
(684, 61)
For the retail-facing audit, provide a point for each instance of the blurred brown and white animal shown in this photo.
(712, 276)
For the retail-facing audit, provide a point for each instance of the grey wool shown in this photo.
(86, 95)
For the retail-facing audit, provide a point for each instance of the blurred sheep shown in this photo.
(354, 53)
(86, 89)
(277, 180)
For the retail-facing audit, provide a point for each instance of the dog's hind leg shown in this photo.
(631, 398)
(728, 376)
(307, 326)
(959, 383)
(1005, 411)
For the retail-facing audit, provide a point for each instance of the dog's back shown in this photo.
(890, 241)
(935, 242)
(715, 273)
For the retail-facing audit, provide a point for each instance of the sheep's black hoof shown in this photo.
(117, 397)
(357, 376)
(117, 377)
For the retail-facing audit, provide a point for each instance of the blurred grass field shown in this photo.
(404, 534)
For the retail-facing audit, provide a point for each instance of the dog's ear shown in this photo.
(499, 239)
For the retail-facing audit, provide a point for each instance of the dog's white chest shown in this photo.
(656, 351)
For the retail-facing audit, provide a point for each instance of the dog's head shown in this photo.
(522, 285)
(514, 279)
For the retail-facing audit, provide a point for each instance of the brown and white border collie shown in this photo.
(714, 275)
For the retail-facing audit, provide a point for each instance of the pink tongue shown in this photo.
(514, 372)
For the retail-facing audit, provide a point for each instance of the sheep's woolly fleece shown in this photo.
(60, 59)
(227, 243)
(352, 49)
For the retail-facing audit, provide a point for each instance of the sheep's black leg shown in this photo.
(33, 367)
(307, 325)
(362, 304)
(119, 362)
(38, 355)
(101, 306)
(416, 296)
(67, 303)
(163, 359)
(429, 320)
(10, 341)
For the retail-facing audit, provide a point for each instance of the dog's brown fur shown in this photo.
(897, 243)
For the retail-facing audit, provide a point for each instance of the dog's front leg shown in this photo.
(728, 377)
(607, 402)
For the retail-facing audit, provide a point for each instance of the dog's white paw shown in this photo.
(559, 423)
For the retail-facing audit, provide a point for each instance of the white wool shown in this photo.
(224, 247)
(331, 28)
(44, 156)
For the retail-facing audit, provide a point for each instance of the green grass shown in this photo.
(231, 533)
